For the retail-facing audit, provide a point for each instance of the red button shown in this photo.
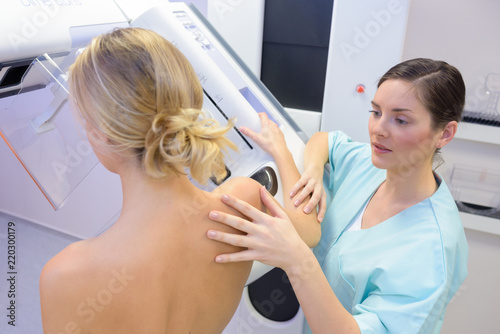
(360, 88)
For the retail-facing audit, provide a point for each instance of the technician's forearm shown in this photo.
(316, 151)
(321, 307)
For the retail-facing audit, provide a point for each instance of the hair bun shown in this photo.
(186, 139)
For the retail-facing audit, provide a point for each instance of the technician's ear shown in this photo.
(447, 134)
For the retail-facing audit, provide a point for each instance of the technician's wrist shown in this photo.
(303, 265)
(315, 169)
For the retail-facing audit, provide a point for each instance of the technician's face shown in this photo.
(400, 129)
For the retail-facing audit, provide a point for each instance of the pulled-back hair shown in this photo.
(141, 93)
(438, 86)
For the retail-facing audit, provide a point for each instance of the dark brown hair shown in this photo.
(438, 86)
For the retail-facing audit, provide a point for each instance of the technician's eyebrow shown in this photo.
(395, 109)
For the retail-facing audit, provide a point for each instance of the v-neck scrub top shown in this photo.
(399, 275)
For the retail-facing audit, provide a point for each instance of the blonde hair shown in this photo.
(140, 92)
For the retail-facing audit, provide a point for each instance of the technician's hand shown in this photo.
(271, 239)
(311, 183)
(270, 138)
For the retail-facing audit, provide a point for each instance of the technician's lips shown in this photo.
(380, 148)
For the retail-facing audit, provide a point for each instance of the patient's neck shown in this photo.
(144, 196)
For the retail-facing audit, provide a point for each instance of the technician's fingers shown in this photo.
(322, 209)
(316, 197)
(246, 209)
(245, 255)
(233, 221)
(300, 183)
(274, 209)
(306, 191)
(229, 238)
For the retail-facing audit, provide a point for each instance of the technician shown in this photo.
(393, 250)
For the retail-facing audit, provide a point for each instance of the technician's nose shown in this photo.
(378, 126)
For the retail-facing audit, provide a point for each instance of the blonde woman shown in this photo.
(153, 271)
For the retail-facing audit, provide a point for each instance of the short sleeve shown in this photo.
(344, 155)
(401, 314)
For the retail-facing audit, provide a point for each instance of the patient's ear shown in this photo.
(101, 144)
(94, 136)
(447, 134)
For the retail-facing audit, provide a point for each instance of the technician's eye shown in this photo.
(401, 121)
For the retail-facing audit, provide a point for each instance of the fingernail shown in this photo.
(211, 234)
(320, 219)
(225, 198)
(213, 214)
(296, 203)
(307, 209)
(291, 194)
(218, 259)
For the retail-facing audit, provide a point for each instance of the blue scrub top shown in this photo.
(397, 276)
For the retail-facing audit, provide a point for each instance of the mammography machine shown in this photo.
(46, 158)
(49, 176)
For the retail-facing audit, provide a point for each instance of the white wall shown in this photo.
(465, 34)
(475, 307)
(366, 40)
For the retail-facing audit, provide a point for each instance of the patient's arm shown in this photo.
(272, 140)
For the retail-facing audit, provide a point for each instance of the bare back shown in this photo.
(160, 279)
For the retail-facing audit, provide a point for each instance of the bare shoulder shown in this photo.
(63, 283)
(65, 263)
(244, 188)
